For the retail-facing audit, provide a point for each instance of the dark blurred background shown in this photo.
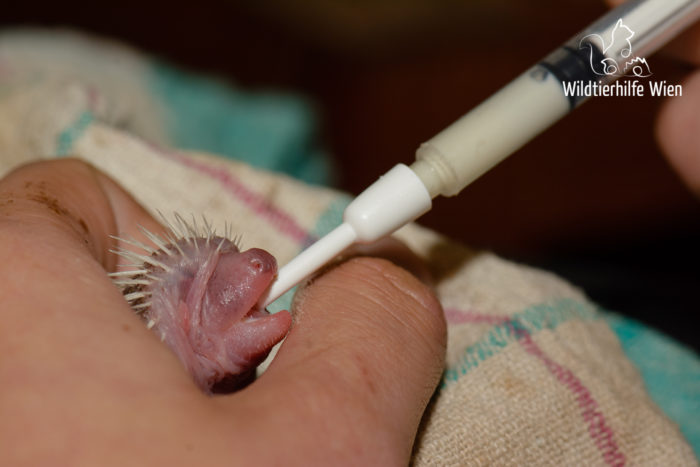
(592, 199)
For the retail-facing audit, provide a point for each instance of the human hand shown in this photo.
(678, 122)
(85, 383)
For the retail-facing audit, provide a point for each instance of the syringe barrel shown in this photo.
(638, 28)
(490, 132)
(535, 100)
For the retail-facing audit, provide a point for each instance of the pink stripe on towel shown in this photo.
(279, 219)
(598, 429)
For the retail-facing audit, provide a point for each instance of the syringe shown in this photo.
(613, 46)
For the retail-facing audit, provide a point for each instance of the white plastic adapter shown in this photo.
(396, 199)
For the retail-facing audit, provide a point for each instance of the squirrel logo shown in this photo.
(633, 66)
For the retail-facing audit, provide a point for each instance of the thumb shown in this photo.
(360, 363)
(677, 128)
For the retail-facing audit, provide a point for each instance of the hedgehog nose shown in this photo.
(260, 261)
(257, 264)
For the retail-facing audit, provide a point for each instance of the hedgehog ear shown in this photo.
(252, 339)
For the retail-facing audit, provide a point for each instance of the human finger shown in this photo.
(78, 358)
(358, 367)
(678, 132)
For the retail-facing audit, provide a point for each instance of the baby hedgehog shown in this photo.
(199, 292)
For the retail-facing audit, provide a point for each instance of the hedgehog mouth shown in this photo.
(258, 311)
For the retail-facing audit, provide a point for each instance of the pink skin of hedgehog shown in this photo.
(199, 294)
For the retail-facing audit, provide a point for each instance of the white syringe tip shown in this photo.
(310, 260)
(394, 200)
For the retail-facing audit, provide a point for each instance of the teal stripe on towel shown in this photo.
(270, 130)
(670, 371)
(70, 134)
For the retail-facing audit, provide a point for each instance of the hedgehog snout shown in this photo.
(237, 282)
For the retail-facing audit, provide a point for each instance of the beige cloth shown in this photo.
(534, 374)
